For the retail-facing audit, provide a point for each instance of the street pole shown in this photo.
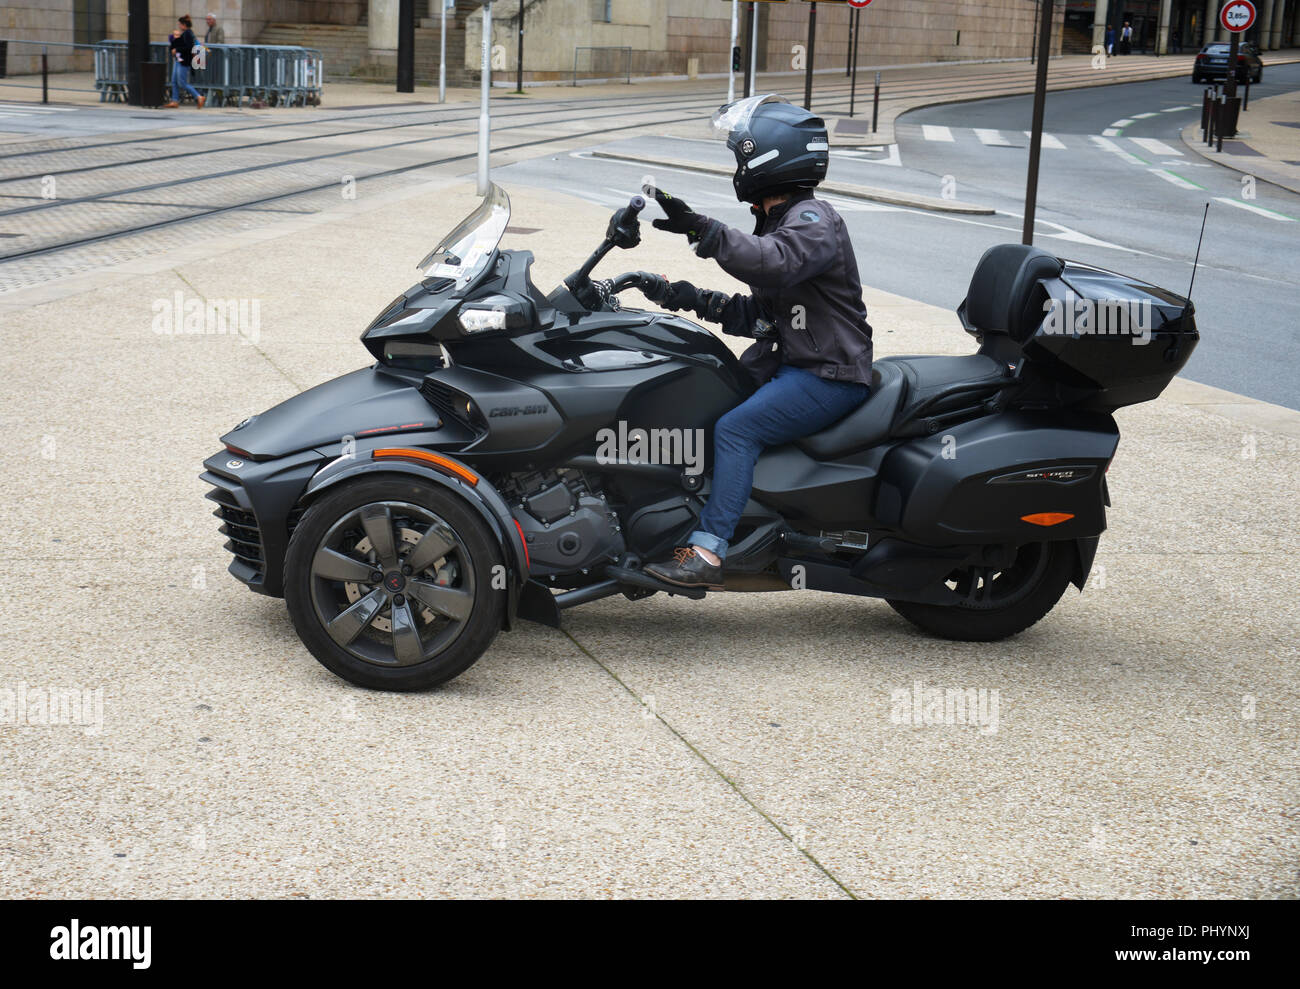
(1229, 122)
(485, 85)
(519, 66)
(137, 48)
(442, 55)
(808, 68)
(751, 80)
(1033, 45)
(731, 58)
(857, 34)
(406, 46)
(848, 62)
(1036, 134)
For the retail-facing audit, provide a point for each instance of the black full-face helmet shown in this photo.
(778, 146)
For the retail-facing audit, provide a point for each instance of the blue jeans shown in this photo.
(794, 403)
(181, 82)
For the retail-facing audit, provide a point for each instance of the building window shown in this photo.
(88, 21)
(602, 10)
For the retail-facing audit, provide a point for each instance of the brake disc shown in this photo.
(383, 622)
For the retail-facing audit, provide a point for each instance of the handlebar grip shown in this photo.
(635, 205)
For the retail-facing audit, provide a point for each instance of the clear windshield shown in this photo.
(466, 251)
(735, 116)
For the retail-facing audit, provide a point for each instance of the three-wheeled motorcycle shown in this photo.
(410, 510)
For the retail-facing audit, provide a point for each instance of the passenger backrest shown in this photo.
(1002, 296)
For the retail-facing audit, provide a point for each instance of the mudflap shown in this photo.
(537, 604)
(1086, 552)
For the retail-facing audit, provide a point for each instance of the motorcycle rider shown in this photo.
(812, 357)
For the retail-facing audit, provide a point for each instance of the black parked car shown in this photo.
(1212, 63)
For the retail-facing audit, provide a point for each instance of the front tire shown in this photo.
(997, 603)
(390, 583)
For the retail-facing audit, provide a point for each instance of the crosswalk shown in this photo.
(990, 137)
(19, 110)
(1158, 158)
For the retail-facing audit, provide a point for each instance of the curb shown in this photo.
(886, 134)
(1240, 408)
(1192, 142)
(868, 193)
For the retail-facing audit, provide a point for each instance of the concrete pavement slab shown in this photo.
(746, 745)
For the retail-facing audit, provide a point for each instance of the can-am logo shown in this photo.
(1073, 316)
(518, 410)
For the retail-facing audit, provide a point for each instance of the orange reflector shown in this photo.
(444, 464)
(1047, 518)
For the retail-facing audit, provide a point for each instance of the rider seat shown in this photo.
(905, 391)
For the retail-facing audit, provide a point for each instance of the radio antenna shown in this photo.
(1198, 255)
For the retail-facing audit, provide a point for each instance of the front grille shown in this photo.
(238, 525)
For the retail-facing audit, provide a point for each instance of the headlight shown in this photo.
(479, 320)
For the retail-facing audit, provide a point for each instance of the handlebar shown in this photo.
(623, 231)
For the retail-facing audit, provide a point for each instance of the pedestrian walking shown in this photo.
(1176, 43)
(182, 42)
(1110, 41)
(216, 34)
(1126, 39)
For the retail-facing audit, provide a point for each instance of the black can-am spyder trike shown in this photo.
(410, 510)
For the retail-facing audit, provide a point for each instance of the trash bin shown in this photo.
(153, 75)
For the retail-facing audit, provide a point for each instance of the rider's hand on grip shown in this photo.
(653, 287)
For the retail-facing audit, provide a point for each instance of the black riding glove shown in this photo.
(681, 219)
(674, 296)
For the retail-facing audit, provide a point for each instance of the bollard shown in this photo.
(1205, 114)
(1245, 105)
(1221, 113)
(875, 104)
(45, 75)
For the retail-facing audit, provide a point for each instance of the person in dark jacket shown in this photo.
(812, 357)
(182, 43)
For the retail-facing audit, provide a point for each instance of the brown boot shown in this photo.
(687, 569)
(171, 106)
(202, 100)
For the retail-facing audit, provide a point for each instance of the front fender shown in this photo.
(479, 493)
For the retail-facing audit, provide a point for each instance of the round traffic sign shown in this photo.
(1237, 15)
(859, 3)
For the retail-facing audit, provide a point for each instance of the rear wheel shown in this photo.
(390, 584)
(997, 603)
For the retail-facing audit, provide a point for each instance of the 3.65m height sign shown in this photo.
(1237, 15)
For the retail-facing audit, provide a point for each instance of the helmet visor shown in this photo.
(736, 116)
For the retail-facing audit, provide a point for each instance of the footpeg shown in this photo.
(639, 578)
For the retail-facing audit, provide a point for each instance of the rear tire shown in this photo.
(999, 604)
(403, 611)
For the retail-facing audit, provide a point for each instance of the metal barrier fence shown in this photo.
(29, 64)
(604, 62)
(280, 75)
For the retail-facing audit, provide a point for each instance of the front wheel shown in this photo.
(390, 583)
(997, 603)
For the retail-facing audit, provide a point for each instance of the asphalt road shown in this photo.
(1127, 197)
